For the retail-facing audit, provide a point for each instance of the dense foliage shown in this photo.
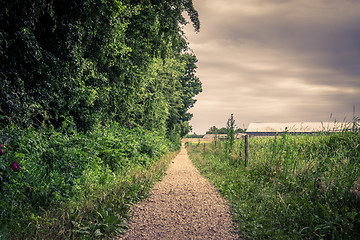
(92, 95)
(294, 187)
(97, 61)
(45, 170)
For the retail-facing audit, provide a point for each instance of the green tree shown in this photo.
(230, 139)
(212, 130)
(95, 61)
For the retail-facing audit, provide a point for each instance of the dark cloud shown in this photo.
(272, 60)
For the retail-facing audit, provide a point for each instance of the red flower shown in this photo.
(15, 166)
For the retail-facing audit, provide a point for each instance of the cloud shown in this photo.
(268, 60)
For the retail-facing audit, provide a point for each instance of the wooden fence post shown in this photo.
(215, 145)
(246, 149)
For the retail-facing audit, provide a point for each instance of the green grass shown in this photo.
(72, 185)
(294, 187)
(102, 209)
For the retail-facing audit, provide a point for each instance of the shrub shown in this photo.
(44, 168)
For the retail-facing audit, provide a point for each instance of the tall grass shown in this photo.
(294, 187)
(64, 184)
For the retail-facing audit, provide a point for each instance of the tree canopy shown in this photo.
(223, 130)
(97, 61)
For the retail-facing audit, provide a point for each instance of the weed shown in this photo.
(294, 187)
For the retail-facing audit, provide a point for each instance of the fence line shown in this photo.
(246, 149)
(246, 137)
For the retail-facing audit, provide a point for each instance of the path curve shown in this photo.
(184, 205)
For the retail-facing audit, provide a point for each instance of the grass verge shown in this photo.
(294, 187)
(101, 211)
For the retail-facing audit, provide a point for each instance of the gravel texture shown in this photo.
(184, 205)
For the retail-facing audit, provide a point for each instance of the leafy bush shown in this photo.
(43, 169)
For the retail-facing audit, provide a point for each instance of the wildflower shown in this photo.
(15, 166)
(144, 132)
(1, 151)
(172, 162)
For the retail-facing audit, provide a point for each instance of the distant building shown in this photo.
(221, 136)
(271, 129)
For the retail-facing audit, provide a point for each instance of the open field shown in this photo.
(197, 140)
(294, 187)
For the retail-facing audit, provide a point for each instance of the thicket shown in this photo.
(69, 185)
(294, 187)
(92, 95)
(97, 61)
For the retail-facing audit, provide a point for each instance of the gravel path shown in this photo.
(184, 205)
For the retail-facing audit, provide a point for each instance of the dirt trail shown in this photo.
(184, 205)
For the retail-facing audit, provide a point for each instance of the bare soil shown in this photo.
(184, 205)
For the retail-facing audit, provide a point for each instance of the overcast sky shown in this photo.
(276, 61)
